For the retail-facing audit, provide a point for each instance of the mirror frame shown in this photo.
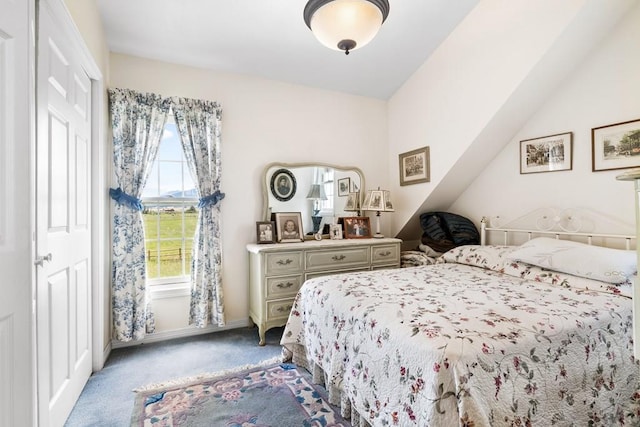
(266, 215)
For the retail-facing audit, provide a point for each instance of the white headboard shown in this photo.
(571, 224)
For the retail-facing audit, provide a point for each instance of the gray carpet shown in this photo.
(107, 399)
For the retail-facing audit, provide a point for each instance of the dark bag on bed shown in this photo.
(444, 230)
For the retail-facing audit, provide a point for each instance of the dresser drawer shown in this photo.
(385, 254)
(327, 272)
(337, 258)
(281, 263)
(279, 309)
(279, 287)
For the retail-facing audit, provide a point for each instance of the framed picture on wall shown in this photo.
(616, 146)
(414, 166)
(546, 154)
(343, 186)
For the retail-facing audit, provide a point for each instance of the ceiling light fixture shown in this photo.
(345, 24)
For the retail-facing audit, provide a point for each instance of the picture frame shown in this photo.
(335, 231)
(344, 184)
(265, 232)
(615, 146)
(357, 227)
(551, 153)
(353, 203)
(283, 185)
(414, 166)
(289, 227)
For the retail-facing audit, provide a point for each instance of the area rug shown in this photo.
(271, 395)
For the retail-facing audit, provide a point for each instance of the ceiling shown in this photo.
(269, 39)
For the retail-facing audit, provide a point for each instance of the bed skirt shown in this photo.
(298, 356)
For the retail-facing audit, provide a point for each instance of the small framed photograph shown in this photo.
(355, 187)
(289, 227)
(414, 166)
(344, 186)
(335, 231)
(283, 185)
(357, 227)
(353, 202)
(546, 154)
(266, 232)
(616, 146)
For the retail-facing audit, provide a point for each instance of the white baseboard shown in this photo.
(181, 333)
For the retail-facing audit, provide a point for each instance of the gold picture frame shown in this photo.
(414, 166)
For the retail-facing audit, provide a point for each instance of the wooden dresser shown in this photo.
(276, 271)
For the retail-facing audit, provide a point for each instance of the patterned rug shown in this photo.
(277, 394)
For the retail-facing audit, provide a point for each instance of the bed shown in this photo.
(490, 335)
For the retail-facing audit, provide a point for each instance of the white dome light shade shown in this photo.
(345, 24)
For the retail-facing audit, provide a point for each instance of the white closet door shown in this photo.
(63, 223)
(17, 389)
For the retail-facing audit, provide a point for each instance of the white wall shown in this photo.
(604, 90)
(263, 121)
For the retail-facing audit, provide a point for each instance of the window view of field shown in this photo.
(168, 253)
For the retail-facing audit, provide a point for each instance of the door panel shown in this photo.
(17, 388)
(63, 224)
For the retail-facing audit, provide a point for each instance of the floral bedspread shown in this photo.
(459, 345)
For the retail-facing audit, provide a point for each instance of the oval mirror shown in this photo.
(321, 192)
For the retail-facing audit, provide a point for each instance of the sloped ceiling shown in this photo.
(514, 98)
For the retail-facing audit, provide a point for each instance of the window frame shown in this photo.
(182, 203)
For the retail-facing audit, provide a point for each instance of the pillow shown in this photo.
(538, 274)
(579, 259)
(489, 257)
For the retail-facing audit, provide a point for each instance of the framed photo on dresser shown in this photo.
(289, 227)
(266, 232)
(357, 227)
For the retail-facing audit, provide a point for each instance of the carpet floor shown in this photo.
(108, 398)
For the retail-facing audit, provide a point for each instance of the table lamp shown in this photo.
(316, 193)
(378, 201)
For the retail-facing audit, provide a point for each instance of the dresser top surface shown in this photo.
(319, 244)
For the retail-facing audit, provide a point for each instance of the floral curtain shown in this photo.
(138, 121)
(199, 124)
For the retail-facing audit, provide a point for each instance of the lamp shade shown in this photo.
(316, 192)
(378, 200)
(345, 24)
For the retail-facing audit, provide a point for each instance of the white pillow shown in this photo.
(489, 257)
(593, 262)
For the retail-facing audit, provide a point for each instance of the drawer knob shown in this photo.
(284, 262)
(338, 257)
(385, 253)
(284, 285)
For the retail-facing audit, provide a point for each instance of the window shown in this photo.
(326, 178)
(170, 214)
